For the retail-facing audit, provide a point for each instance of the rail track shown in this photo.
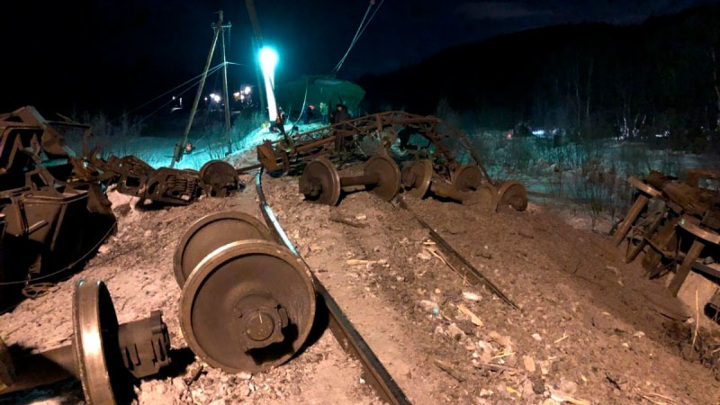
(349, 338)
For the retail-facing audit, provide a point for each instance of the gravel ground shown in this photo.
(591, 329)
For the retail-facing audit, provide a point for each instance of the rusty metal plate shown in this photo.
(417, 178)
(388, 173)
(247, 306)
(219, 178)
(95, 343)
(320, 182)
(266, 157)
(211, 232)
(512, 194)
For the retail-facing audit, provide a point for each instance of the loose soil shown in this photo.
(591, 329)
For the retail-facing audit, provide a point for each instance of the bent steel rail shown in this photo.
(349, 338)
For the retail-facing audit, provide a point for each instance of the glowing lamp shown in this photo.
(268, 61)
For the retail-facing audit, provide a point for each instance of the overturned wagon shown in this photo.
(682, 232)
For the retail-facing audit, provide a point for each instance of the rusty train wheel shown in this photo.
(248, 306)
(320, 182)
(512, 194)
(467, 178)
(211, 232)
(388, 173)
(219, 177)
(95, 344)
(417, 178)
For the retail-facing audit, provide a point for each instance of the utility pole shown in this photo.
(225, 88)
(179, 148)
(256, 45)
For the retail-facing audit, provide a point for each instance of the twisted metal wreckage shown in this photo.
(248, 299)
(677, 223)
(46, 191)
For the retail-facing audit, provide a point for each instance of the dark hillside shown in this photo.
(659, 73)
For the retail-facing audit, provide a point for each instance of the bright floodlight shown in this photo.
(268, 61)
(247, 90)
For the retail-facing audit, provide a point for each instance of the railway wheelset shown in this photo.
(105, 356)
(468, 184)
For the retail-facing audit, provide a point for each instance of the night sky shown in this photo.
(95, 55)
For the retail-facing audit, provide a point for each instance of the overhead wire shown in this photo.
(361, 29)
(189, 87)
(196, 78)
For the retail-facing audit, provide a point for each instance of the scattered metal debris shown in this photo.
(420, 136)
(42, 203)
(46, 191)
(434, 149)
(104, 356)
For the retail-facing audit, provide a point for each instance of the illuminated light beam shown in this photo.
(268, 61)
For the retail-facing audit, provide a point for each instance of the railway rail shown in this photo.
(349, 338)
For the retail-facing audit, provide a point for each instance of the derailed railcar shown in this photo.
(53, 218)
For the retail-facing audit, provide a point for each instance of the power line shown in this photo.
(361, 29)
(168, 92)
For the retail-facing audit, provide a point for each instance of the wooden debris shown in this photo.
(529, 364)
(473, 318)
(494, 367)
(448, 368)
(348, 222)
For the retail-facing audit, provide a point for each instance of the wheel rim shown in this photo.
(230, 289)
(220, 177)
(420, 176)
(513, 194)
(388, 174)
(211, 232)
(95, 343)
(467, 178)
(321, 176)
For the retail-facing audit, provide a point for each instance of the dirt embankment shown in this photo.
(591, 329)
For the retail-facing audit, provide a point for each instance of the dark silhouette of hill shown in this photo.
(597, 76)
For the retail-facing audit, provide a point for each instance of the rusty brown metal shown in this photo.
(247, 306)
(447, 142)
(512, 194)
(100, 347)
(321, 182)
(374, 372)
(686, 207)
(219, 178)
(211, 232)
(645, 193)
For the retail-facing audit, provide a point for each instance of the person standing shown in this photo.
(340, 115)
